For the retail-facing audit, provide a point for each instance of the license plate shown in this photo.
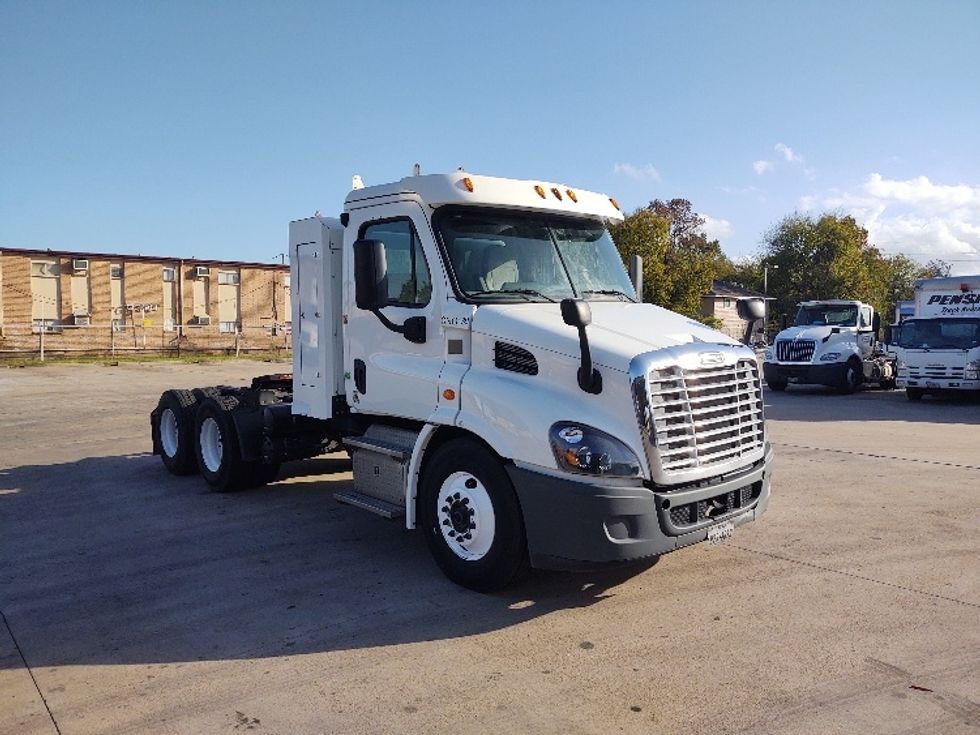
(721, 532)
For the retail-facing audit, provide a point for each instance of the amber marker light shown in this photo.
(468, 183)
(572, 195)
(449, 394)
(540, 189)
(615, 203)
(556, 193)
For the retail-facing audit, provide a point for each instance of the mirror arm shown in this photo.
(589, 379)
(413, 329)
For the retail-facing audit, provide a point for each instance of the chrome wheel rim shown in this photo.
(212, 448)
(169, 433)
(465, 516)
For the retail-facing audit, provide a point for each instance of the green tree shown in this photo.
(679, 261)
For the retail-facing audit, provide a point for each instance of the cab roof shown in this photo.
(438, 190)
(832, 302)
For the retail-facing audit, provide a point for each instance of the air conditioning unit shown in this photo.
(79, 265)
(203, 321)
(82, 320)
(202, 271)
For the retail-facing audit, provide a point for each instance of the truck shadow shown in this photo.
(111, 560)
(817, 403)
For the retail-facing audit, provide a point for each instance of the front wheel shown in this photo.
(776, 385)
(914, 394)
(851, 379)
(471, 517)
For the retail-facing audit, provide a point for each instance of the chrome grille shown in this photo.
(795, 350)
(705, 416)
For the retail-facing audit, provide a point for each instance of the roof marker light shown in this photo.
(540, 189)
(468, 183)
(554, 190)
(615, 204)
(572, 195)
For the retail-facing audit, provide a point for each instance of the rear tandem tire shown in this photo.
(218, 453)
(173, 431)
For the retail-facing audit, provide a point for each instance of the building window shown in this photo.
(726, 303)
(116, 294)
(229, 300)
(169, 315)
(45, 295)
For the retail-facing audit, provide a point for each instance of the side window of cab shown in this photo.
(865, 318)
(409, 283)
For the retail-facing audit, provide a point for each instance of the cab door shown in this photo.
(386, 373)
(865, 336)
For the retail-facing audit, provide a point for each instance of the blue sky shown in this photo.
(201, 129)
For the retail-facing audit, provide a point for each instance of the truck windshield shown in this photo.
(940, 334)
(836, 315)
(503, 256)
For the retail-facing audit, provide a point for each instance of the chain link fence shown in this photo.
(49, 338)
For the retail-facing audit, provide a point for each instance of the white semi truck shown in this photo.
(477, 346)
(939, 345)
(832, 342)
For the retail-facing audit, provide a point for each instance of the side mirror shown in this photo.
(876, 323)
(888, 335)
(782, 321)
(370, 275)
(576, 313)
(750, 309)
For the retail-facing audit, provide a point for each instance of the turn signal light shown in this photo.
(540, 189)
(449, 394)
(468, 183)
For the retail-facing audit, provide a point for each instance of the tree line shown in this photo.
(802, 257)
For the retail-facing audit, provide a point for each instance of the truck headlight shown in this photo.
(972, 370)
(829, 356)
(588, 451)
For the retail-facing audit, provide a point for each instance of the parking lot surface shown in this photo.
(134, 601)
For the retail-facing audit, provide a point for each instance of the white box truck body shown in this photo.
(476, 344)
(939, 346)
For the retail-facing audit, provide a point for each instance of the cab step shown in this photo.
(366, 502)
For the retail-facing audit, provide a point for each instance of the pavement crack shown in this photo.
(872, 455)
(852, 575)
(30, 671)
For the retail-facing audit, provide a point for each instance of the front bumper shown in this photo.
(928, 384)
(572, 523)
(827, 374)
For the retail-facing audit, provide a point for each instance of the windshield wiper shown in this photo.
(518, 291)
(609, 292)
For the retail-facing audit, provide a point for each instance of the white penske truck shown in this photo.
(834, 343)
(476, 345)
(939, 345)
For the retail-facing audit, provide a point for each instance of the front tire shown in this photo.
(219, 457)
(914, 394)
(471, 517)
(174, 431)
(851, 379)
(777, 385)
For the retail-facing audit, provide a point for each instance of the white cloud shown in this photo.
(716, 229)
(642, 172)
(788, 154)
(761, 167)
(918, 217)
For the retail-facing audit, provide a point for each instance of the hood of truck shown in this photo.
(816, 333)
(619, 331)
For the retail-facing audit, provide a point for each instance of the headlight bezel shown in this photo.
(581, 449)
